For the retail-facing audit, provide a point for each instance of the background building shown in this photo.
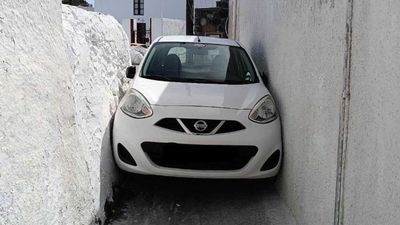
(212, 21)
(136, 15)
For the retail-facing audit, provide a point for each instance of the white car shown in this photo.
(197, 108)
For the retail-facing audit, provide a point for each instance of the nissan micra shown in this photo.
(197, 107)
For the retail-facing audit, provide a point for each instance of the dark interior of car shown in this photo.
(229, 66)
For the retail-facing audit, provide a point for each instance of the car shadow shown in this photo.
(162, 200)
(109, 175)
(258, 53)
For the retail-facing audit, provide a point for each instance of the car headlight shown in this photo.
(264, 111)
(136, 105)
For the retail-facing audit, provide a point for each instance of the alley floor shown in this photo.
(149, 200)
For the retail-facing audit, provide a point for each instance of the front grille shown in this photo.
(213, 126)
(171, 124)
(199, 157)
(230, 126)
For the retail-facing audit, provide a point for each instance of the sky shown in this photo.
(90, 1)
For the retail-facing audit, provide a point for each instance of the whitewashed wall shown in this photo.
(165, 27)
(55, 161)
(123, 9)
(98, 53)
(205, 3)
(172, 9)
(301, 45)
(43, 177)
(334, 69)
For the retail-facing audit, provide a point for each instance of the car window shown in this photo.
(198, 62)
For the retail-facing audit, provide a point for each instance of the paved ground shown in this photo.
(160, 201)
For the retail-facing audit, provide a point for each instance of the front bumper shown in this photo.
(131, 133)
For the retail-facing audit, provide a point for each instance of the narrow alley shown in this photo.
(161, 200)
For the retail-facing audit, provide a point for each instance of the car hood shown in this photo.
(198, 94)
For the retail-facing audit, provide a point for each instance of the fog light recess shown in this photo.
(272, 161)
(125, 156)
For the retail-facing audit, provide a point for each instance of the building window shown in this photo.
(138, 7)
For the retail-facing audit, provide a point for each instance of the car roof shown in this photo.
(195, 39)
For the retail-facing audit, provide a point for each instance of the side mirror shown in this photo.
(130, 72)
(264, 78)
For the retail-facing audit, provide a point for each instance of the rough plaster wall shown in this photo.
(137, 54)
(43, 175)
(98, 52)
(301, 44)
(372, 184)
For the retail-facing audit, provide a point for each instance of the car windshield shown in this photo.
(199, 63)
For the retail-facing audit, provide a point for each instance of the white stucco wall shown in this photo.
(165, 27)
(205, 3)
(301, 44)
(372, 184)
(123, 9)
(304, 45)
(137, 54)
(98, 52)
(172, 9)
(43, 175)
(55, 158)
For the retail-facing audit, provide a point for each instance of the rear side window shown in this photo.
(197, 62)
(180, 52)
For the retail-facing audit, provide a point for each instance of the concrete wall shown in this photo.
(333, 67)
(301, 45)
(372, 184)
